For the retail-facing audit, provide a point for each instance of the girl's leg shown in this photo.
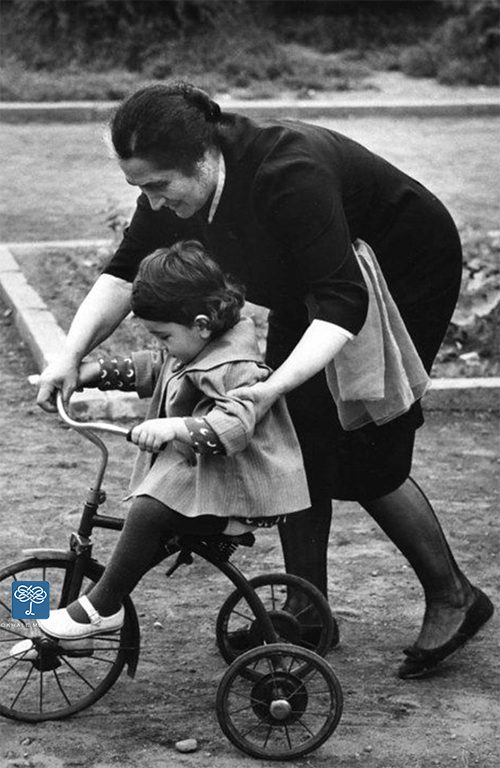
(148, 526)
(407, 517)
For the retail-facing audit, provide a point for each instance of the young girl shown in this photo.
(205, 466)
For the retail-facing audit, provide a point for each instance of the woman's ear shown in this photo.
(202, 322)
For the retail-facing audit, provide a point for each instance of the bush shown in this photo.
(465, 49)
(475, 326)
(254, 46)
(99, 33)
(419, 61)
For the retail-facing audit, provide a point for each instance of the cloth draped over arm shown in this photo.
(378, 374)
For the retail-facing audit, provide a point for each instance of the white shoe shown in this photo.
(25, 650)
(61, 626)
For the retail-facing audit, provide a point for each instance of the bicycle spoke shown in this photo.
(273, 598)
(244, 616)
(60, 686)
(40, 689)
(77, 673)
(23, 687)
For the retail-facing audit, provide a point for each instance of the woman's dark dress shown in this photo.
(295, 197)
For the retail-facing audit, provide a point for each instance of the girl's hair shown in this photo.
(176, 284)
(171, 126)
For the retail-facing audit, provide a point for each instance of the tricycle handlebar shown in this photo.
(95, 426)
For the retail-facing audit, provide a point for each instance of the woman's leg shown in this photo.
(304, 540)
(407, 517)
(148, 526)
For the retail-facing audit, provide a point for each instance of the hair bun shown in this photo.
(202, 101)
(214, 112)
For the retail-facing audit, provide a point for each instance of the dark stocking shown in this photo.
(148, 526)
(408, 519)
(304, 539)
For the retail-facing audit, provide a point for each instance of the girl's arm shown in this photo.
(102, 310)
(222, 423)
(317, 347)
(139, 372)
(232, 418)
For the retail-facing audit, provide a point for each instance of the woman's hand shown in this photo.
(152, 435)
(61, 374)
(102, 310)
(89, 374)
(262, 395)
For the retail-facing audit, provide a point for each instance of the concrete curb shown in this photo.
(89, 111)
(45, 339)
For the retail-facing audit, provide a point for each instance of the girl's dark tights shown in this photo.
(148, 526)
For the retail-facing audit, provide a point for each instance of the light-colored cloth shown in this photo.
(377, 375)
(262, 472)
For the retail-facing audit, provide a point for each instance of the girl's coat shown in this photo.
(260, 475)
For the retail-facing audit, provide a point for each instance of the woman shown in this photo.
(279, 204)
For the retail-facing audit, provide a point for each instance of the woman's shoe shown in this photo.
(420, 661)
(61, 626)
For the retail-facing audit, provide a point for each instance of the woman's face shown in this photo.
(184, 195)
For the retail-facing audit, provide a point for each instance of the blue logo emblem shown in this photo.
(30, 600)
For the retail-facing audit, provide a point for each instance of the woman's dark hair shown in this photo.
(176, 284)
(171, 126)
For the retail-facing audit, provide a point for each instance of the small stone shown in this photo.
(368, 748)
(158, 625)
(186, 745)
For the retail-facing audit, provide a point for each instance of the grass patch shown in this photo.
(471, 348)
(251, 73)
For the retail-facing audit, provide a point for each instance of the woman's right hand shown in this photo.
(262, 395)
(61, 374)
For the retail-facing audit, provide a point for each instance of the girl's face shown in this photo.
(182, 341)
(184, 195)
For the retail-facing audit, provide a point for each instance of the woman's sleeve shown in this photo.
(298, 200)
(231, 418)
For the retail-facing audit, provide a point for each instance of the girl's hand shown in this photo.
(261, 394)
(152, 435)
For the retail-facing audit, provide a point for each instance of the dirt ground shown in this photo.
(451, 719)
